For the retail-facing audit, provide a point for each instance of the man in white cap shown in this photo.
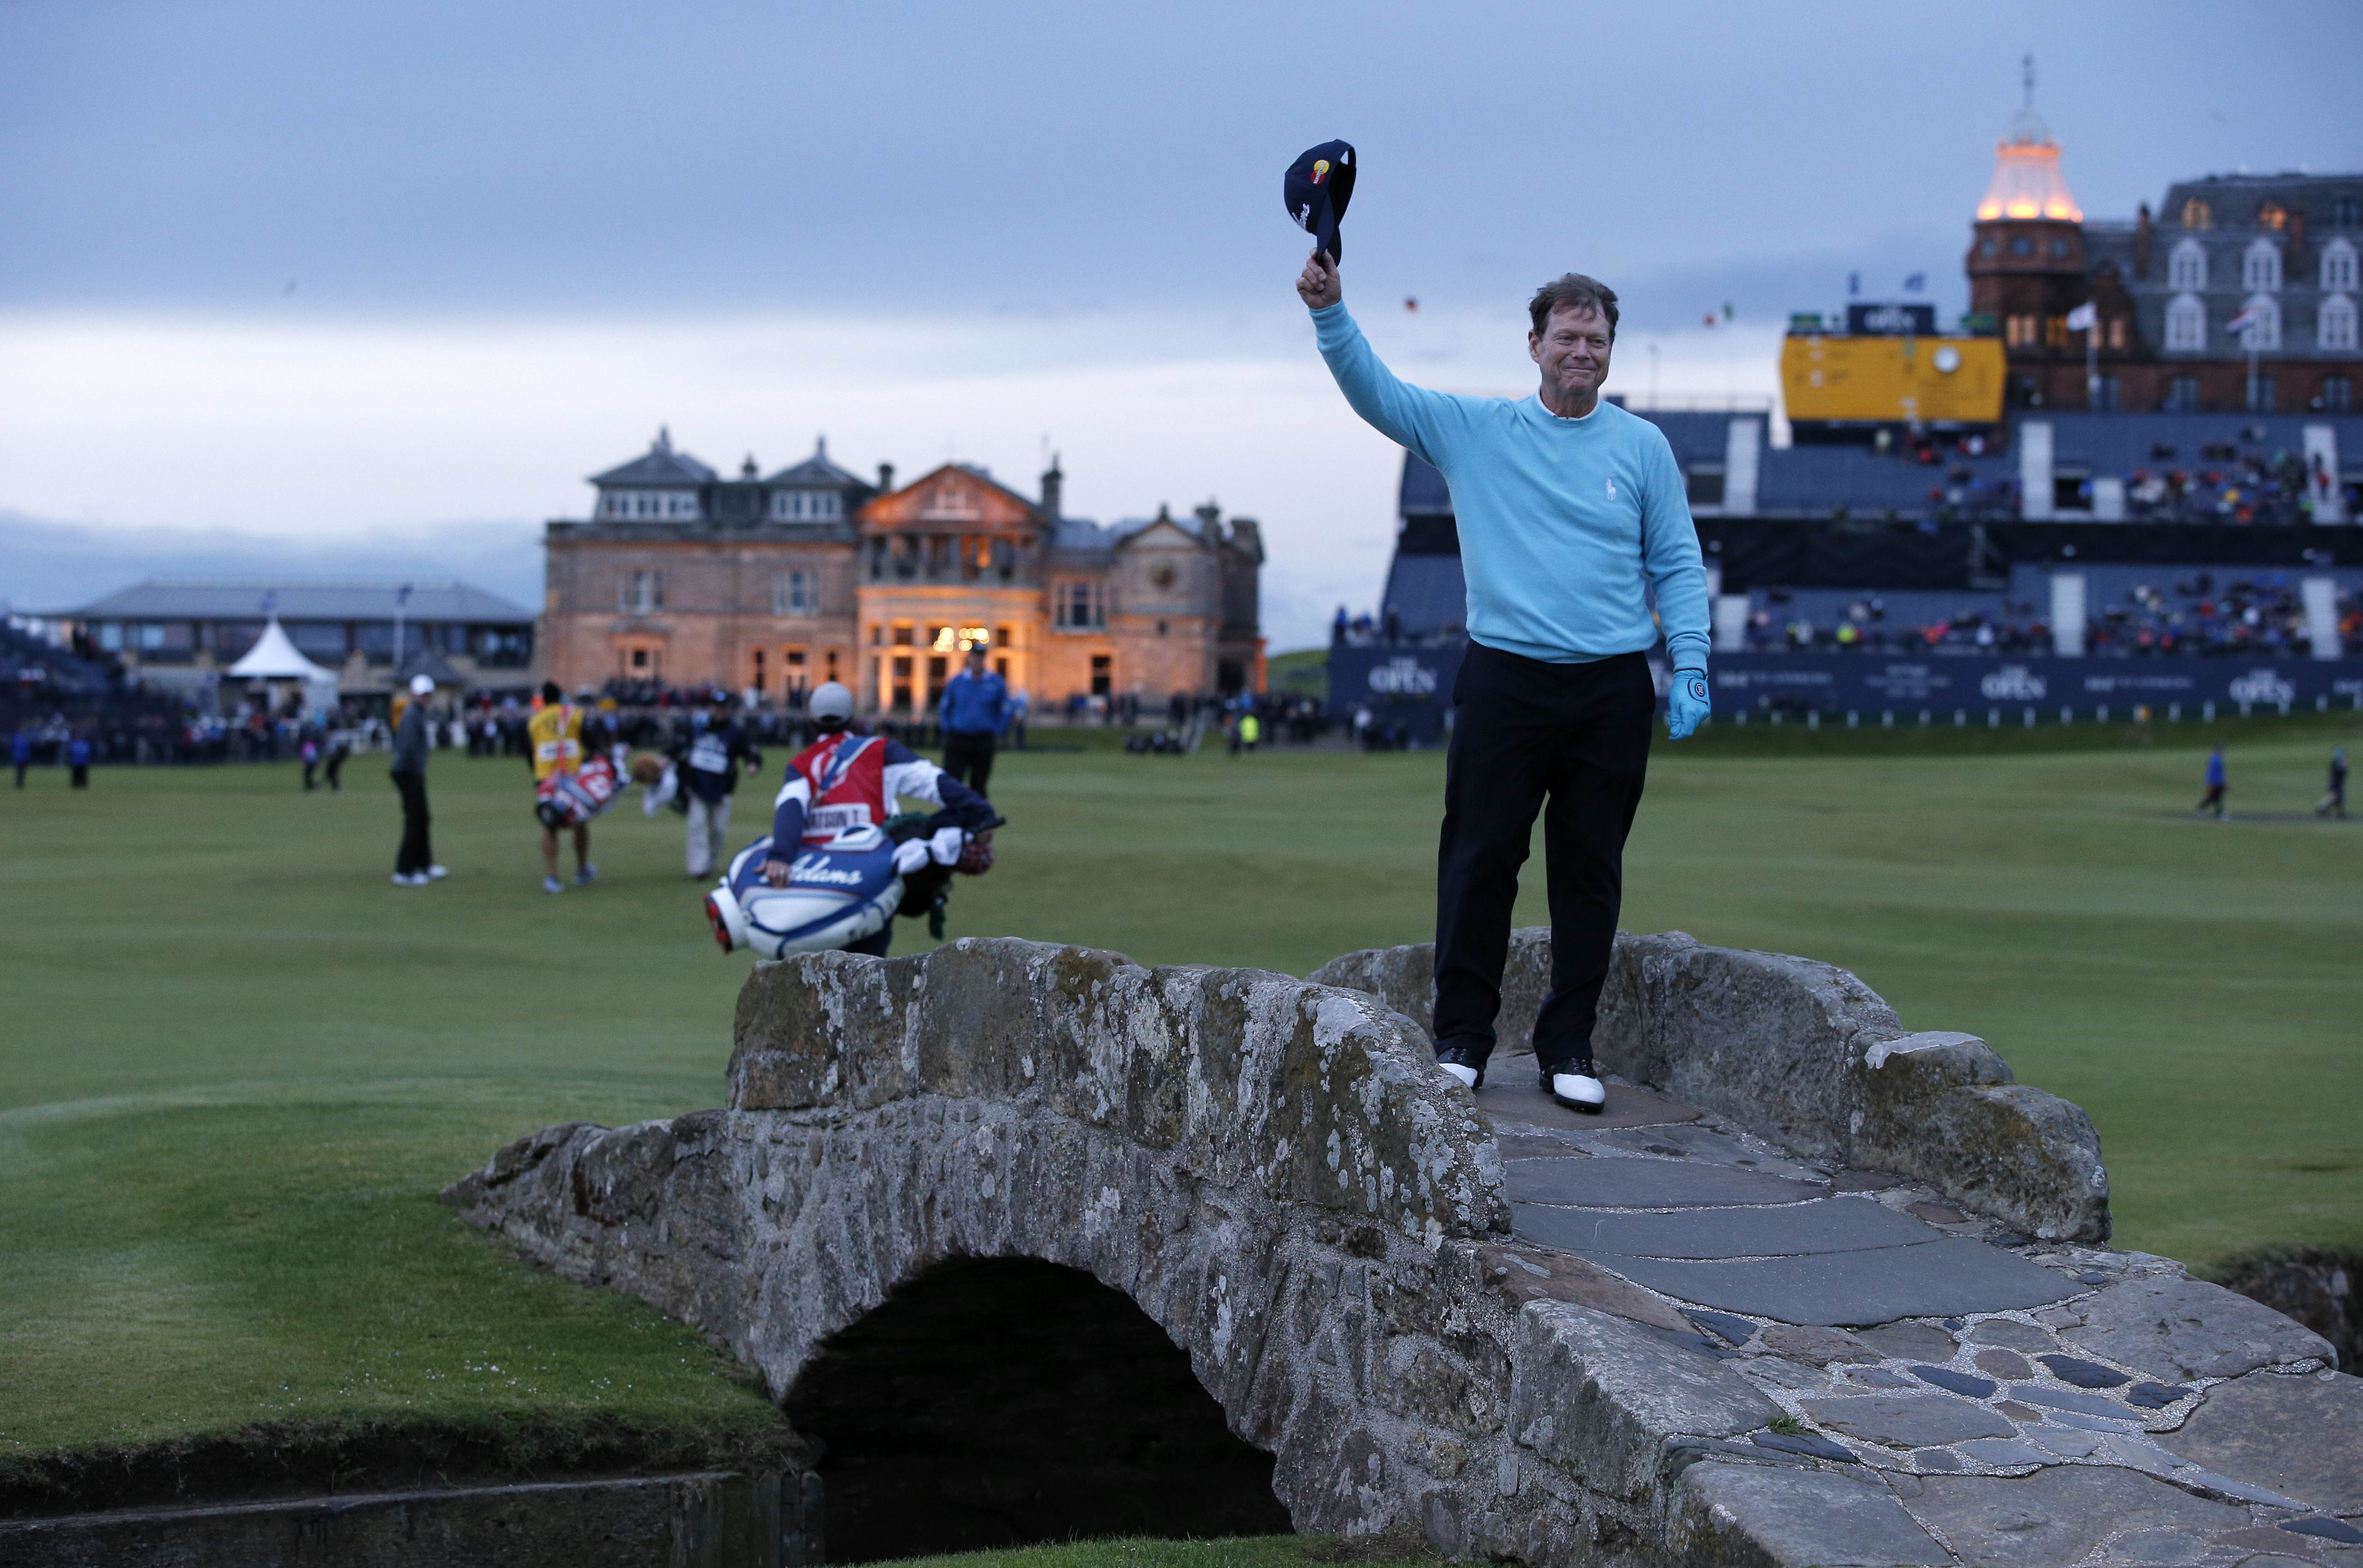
(844, 780)
(414, 863)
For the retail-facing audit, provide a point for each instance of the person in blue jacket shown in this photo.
(1572, 514)
(78, 758)
(974, 712)
(21, 749)
(2212, 802)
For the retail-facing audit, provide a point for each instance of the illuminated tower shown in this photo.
(2026, 253)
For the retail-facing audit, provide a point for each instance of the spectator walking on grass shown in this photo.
(975, 713)
(2212, 801)
(2334, 804)
(708, 763)
(1570, 511)
(414, 863)
(21, 749)
(78, 757)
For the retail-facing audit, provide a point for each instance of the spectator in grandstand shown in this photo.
(2333, 803)
(2212, 801)
(20, 748)
(78, 758)
(414, 863)
(1569, 511)
(709, 759)
(974, 712)
(556, 734)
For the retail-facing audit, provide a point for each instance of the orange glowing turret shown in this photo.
(2026, 179)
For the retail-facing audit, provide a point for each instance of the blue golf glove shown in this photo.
(1686, 704)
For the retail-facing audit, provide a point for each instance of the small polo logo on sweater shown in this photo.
(1612, 490)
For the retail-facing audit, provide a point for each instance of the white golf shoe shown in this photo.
(1466, 1067)
(1577, 1089)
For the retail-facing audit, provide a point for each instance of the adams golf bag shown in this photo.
(838, 892)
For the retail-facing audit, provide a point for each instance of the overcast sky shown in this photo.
(328, 269)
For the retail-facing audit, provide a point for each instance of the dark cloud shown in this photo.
(445, 156)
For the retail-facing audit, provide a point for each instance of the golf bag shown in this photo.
(568, 800)
(838, 892)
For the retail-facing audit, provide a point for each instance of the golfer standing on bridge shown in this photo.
(1570, 510)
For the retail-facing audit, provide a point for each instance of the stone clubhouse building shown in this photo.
(682, 577)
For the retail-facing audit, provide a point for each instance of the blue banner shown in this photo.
(1406, 686)
(1412, 686)
(1875, 684)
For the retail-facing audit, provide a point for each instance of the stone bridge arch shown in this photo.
(1645, 1358)
(1249, 1160)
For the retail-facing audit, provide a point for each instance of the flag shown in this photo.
(1411, 302)
(1708, 320)
(1917, 283)
(1728, 314)
(2084, 318)
(1853, 283)
(2242, 322)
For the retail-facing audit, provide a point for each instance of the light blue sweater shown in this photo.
(1564, 523)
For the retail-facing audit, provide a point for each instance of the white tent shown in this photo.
(275, 658)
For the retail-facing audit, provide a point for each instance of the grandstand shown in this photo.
(2214, 545)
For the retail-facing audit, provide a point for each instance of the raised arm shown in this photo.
(1410, 416)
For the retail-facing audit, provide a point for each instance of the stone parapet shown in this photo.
(1807, 1055)
(1247, 1078)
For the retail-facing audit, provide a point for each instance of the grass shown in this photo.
(236, 1064)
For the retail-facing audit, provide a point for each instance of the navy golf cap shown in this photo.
(1318, 185)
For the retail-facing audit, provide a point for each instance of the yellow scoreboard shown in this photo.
(1891, 381)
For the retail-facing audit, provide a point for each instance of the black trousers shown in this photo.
(414, 855)
(1524, 732)
(968, 757)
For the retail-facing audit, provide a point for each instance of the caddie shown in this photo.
(847, 780)
(1570, 512)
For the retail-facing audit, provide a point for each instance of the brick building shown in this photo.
(775, 584)
(2276, 252)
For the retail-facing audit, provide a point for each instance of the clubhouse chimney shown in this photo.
(1053, 489)
(886, 477)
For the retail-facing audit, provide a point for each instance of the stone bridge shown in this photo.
(1036, 1242)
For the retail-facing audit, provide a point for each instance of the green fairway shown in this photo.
(237, 1063)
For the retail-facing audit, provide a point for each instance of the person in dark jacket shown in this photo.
(21, 749)
(414, 863)
(78, 757)
(709, 760)
(2333, 803)
(974, 712)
